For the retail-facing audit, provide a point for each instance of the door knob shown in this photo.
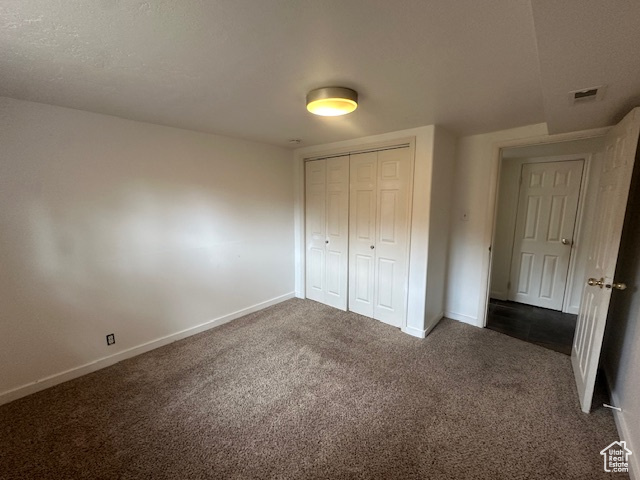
(326, 241)
(596, 283)
(372, 247)
(617, 286)
(565, 241)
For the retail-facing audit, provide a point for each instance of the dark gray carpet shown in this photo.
(302, 391)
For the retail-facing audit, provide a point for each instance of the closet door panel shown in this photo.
(392, 235)
(362, 231)
(384, 284)
(337, 232)
(315, 229)
(363, 285)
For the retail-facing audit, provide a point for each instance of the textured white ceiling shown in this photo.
(583, 44)
(243, 67)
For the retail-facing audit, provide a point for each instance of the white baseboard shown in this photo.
(430, 325)
(50, 381)
(414, 332)
(624, 433)
(573, 310)
(432, 322)
(462, 318)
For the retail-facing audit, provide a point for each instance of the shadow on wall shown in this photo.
(143, 260)
(114, 226)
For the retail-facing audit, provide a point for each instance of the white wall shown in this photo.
(590, 150)
(471, 213)
(114, 226)
(621, 350)
(421, 211)
(439, 224)
(502, 248)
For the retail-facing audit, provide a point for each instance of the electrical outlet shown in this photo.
(111, 339)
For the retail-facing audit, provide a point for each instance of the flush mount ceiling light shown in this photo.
(332, 101)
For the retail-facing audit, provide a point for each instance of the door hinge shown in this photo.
(508, 285)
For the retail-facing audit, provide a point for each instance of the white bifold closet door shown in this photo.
(326, 230)
(379, 216)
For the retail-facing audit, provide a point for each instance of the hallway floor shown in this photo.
(548, 328)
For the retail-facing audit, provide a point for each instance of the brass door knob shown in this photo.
(617, 286)
(565, 241)
(595, 283)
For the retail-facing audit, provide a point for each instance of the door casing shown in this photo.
(490, 220)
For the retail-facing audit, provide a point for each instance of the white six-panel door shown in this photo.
(337, 231)
(379, 234)
(620, 152)
(547, 207)
(362, 232)
(392, 236)
(326, 230)
(315, 228)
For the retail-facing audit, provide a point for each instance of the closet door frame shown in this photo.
(299, 213)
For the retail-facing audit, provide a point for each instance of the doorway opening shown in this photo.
(543, 220)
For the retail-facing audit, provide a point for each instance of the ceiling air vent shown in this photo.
(587, 95)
